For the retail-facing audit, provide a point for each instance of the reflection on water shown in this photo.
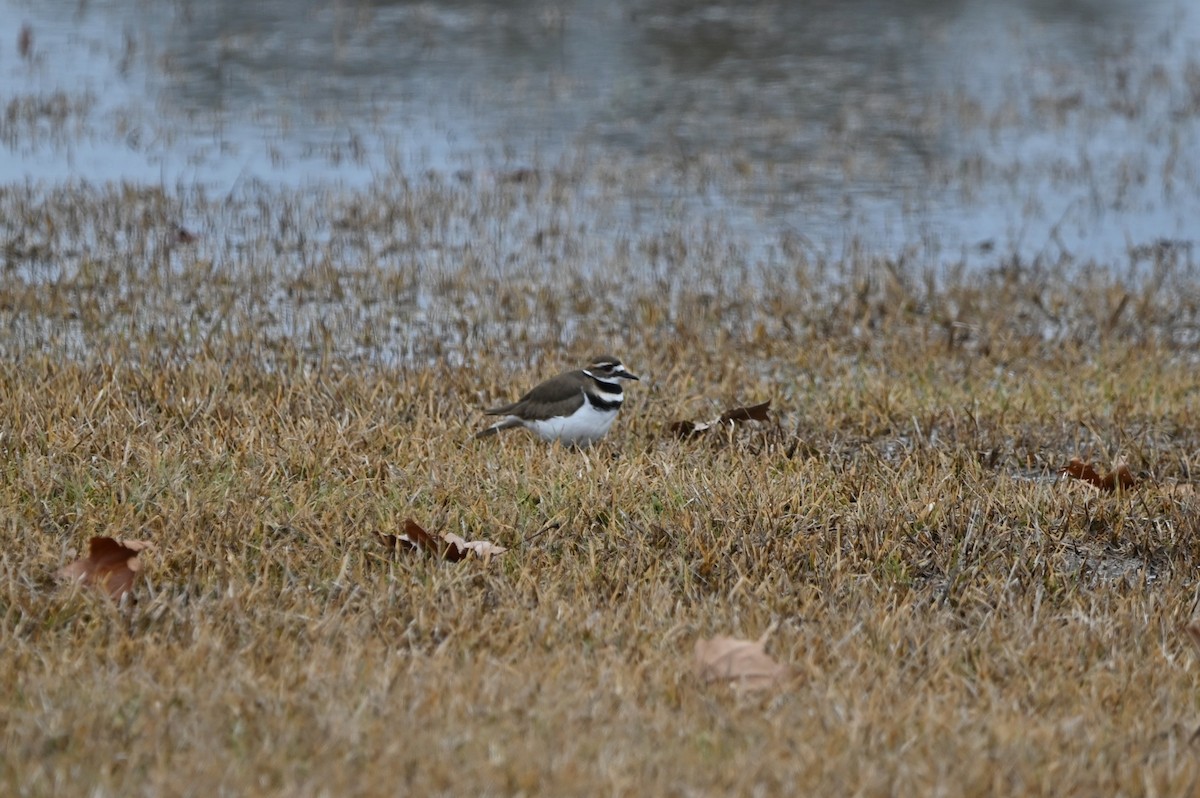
(946, 123)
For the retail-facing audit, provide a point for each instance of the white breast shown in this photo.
(587, 426)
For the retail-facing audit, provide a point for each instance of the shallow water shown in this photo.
(951, 129)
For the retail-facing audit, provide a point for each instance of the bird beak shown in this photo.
(629, 375)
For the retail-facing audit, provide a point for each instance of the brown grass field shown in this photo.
(955, 618)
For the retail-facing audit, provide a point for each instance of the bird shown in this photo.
(575, 408)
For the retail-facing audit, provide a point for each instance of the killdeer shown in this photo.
(576, 407)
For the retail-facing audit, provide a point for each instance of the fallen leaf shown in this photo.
(1077, 469)
(482, 548)
(759, 412)
(413, 538)
(1120, 477)
(392, 541)
(448, 546)
(744, 664)
(416, 536)
(688, 429)
(111, 565)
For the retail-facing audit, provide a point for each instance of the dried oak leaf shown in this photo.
(393, 542)
(448, 546)
(688, 429)
(1119, 477)
(482, 548)
(758, 412)
(112, 565)
(744, 664)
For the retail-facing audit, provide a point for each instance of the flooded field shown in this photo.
(264, 264)
(947, 130)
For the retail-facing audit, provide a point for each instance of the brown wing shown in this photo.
(555, 397)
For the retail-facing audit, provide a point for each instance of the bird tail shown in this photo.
(507, 423)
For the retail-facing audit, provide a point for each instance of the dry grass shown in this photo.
(957, 620)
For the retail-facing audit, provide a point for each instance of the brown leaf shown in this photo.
(1077, 469)
(112, 565)
(482, 548)
(416, 536)
(1120, 477)
(393, 542)
(759, 412)
(745, 664)
(688, 429)
(449, 546)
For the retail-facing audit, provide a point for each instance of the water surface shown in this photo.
(952, 128)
